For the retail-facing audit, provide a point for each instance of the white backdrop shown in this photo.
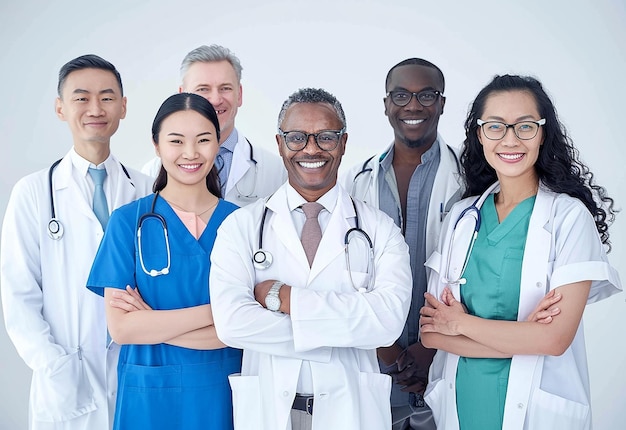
(576, 48)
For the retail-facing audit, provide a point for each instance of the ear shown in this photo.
(279, 143)
(123, 108)
(156, 149)
(58, 108)
(180, 89)
(479, 135)
(385, 103)
(443, 103)
(343, 142)
(240, 101)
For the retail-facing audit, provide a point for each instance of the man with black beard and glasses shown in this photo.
(414, 181)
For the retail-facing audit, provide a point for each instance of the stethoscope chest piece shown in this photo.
(55, 229)
(262, 259)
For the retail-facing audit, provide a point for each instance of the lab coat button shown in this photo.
(520, 406)
(450, 386)
(538, 284)
(285, 393)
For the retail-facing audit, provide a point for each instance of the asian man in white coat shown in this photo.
(50, 234)
(247, 172)
(310, 319)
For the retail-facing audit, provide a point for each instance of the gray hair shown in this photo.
(312, 95)
(209, 54)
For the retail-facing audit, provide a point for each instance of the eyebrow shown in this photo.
(521, 118)
(182, 135)
(81, 91)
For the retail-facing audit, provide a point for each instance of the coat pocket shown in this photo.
(62, 390)
(246, 401)
(549, 411)
(435, 399)
(374, 393)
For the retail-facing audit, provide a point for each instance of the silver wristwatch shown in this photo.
(272, 300)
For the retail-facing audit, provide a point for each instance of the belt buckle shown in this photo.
(309, 405)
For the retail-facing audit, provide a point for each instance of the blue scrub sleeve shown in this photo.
(114, 264)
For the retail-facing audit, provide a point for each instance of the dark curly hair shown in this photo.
(558, 165)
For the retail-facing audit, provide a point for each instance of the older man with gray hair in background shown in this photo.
(247, 172)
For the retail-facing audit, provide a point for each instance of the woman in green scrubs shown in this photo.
(508, 356)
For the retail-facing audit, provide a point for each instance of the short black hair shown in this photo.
(416, 62)
(89, 61)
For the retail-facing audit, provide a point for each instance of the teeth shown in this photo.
(312, 165)
(190, 166)
(511, 156)
(412, 121)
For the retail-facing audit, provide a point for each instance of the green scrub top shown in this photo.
(492, 291)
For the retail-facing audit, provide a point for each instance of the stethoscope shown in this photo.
(460, 246)
(262, 259)
(249, 195)
(152, 214)
(55, 228)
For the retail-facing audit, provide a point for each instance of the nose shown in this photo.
(95, 108)
(414, 103)
(213, 96)
(311, 145)
(189, 151)
(509, 138)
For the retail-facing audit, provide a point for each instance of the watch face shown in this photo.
(272, 303)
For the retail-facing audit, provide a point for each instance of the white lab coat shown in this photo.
(58, 326)
(247, 181)
(544, 392)
(362, 183)
(332, 327)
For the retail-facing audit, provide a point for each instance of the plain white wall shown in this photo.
(576, 48)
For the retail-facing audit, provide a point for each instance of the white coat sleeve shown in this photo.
(240, 321)
(346, 318)
(579, 254)
(22, 294)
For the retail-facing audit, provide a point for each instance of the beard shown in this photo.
(416, 143)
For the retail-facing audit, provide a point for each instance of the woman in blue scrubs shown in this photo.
(153, 269)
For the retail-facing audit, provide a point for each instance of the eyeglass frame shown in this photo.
(539, 123)
(339, 133)
(416, 95)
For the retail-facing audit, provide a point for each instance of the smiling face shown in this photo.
(312, 171)
(414, 125)
(217, 82)
(91, 103)
(187, 146)
(510, 156)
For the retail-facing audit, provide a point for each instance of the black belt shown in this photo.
(303, 403)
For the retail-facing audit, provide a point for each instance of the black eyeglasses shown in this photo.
(496, 130)
(425, 98)
(326, 140)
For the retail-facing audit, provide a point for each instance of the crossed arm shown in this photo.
(132, 321)
(445, 325)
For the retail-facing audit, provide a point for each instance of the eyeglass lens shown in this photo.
(403, 98)
(326, 140)
(524, 130)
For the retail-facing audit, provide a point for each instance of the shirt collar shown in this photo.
(231, 141)
(82, 165)
(328, 200)
(431, 154)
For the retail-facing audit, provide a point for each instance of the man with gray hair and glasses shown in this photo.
(309, 283)
(247, 172)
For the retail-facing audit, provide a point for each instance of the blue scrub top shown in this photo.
(163, 371)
